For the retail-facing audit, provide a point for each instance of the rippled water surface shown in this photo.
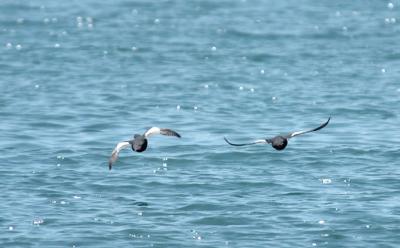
(76, 77)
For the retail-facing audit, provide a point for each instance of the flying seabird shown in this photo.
(139, 142)
(279, 142)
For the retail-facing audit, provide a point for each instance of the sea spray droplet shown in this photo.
(38, 221)
(326, 181)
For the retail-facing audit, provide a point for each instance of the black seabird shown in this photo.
(139, 142)
(279, 142)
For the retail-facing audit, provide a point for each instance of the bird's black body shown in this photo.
(139, 143)
(278, 142)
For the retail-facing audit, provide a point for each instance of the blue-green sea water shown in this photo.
(76, 77)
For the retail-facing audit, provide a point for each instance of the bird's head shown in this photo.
(279, 143)
(139, 144)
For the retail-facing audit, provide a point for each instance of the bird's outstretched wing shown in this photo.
(261, 141)
(163, 131)
(291, 135)
(117, 149)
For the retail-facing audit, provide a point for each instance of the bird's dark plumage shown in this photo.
(139, 142)
(279, 142)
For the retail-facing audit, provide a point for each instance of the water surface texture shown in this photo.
(76, 77)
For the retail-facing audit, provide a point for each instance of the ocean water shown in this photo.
(76, 77)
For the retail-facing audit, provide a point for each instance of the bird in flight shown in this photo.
(139, 142)
(279, 142)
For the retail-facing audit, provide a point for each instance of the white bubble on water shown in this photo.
(206, 86)
(178, 107)
(383, 70)
(134, 48)
(392, 20)
(326, 181)
(321, 222)
(241, 88)
(18, 47)
(9, 45)
(38, 221)
(262, 71)
(213, 48)
(390, 5)
(56, 45)
(10, 228)
(156, 21)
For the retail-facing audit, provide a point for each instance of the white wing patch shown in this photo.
(298, 133)
(152, 131)
(115, 153)
(163, 131)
